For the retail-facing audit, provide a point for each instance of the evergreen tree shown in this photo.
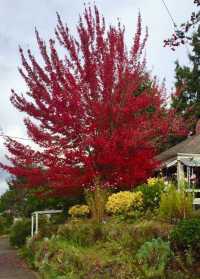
(186, 101)
(22, 202)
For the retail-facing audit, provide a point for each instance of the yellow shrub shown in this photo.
(155, 181)
(79, 210)
(123, 202)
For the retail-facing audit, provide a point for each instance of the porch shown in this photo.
(185, 167)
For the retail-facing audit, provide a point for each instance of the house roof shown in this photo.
(191, 146)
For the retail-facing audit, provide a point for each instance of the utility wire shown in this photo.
(174, 23)
(13, 137)
(3, 135)
(169, 13)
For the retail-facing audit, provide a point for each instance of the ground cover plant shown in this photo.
(153, 257)
(82, 249)
(121, 246)
(186, 236)
(145, 247)
(115, 249)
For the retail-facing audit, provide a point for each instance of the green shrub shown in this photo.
(153, 257)
(2, 226)
(175, 204)
(152, 229)
(28, 254)
(81, 233)
(151, 193)
(57, 258)
(47, 230)
(6, 221)
(20, 230)
(129, 236)
(47, 227)
(186, 235)
(58, 219)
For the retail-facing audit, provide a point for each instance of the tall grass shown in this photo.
(175, 204)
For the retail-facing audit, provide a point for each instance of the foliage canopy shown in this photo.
(93, 113)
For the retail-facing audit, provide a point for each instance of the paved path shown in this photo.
(11, 266)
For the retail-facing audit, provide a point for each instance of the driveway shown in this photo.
(11, 266)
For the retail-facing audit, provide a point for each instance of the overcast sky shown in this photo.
(18, 19)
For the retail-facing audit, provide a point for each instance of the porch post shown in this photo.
(180, 173)
(36, 225)
(32, 225)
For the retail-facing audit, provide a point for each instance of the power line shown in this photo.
(178, 32)
(169, 13)
(3, 135)
(13, 137)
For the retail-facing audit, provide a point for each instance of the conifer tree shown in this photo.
(186, 101)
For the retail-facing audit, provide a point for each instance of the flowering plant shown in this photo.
(124, 202)
(79, 210)
(153, 181)
(151, 192)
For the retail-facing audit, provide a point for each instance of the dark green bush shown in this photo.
(2, 226)
(8, 218)
(186, 235)
(19, 232)
(6, 221)
(58, 219)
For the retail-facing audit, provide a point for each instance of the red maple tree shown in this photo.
(95, 112)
